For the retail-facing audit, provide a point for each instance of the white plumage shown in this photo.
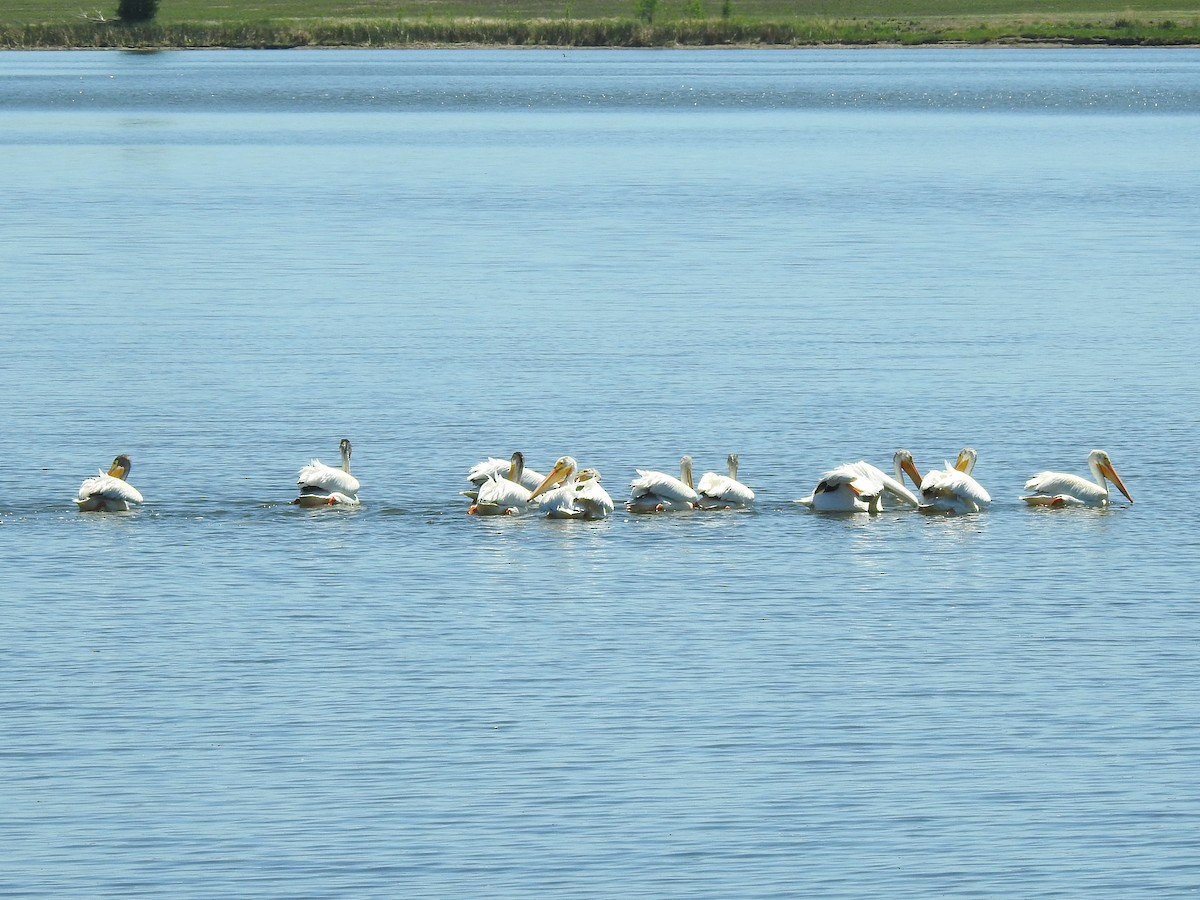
(724, 491)
(860, 487)
(837, 491)
(109, 491)
(503, 494)
(318, 476)
(482, 471)
(1061, 489)
(659, 492)
(578, 496)
(953, 490)
(322, 485)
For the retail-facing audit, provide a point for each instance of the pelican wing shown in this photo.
(838, 490)
(872, 480)
(481, 472)
(559, 503)
(724, 489)
(109, 488)
(531, 479)
(953, 484)
(1054, 484)
(501, 492)
(661, 485)
(317, 475)
(595, 501)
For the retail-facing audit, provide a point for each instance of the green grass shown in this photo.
(386, 23)
(173, 12)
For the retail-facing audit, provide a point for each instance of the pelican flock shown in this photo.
(569, 491)
(109, 491)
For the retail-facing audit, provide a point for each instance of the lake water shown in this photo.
(221, 263)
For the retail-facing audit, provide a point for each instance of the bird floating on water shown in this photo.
(860, 487)
(322, 485)
(952, 490)
(659, 492)
(502, 494)
(109, 491)
(724, 491)
(1061, 489)
(578, 495)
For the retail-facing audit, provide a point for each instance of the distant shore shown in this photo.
(598, 33)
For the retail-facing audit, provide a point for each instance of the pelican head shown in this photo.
(903, 463)
(120, 467)
(561, 472)
(589, 474)
(344, 447)
(732, 462)
(685, 471)
(1102, 468)
(966, 460)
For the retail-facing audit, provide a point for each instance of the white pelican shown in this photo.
(724, 491)
(109, 491)
(578, 496)
(952, 490)
(860, 486)
(322, 485)
(1059, 489)
(502, 495)
(481, 472)
(660, 492)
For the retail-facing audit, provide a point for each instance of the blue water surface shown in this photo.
(221, 263)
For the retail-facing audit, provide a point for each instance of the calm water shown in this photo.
(221, 263)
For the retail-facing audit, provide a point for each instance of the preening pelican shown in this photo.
(1059, 489)
(109, 491)
(481, 472)
(322, 485)
(952, 490)
(578, 496)
(660, 492)
(860, 486)
(502, 495)
(724, 491)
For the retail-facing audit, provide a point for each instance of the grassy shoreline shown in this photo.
(66, 24)
(709, 32)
